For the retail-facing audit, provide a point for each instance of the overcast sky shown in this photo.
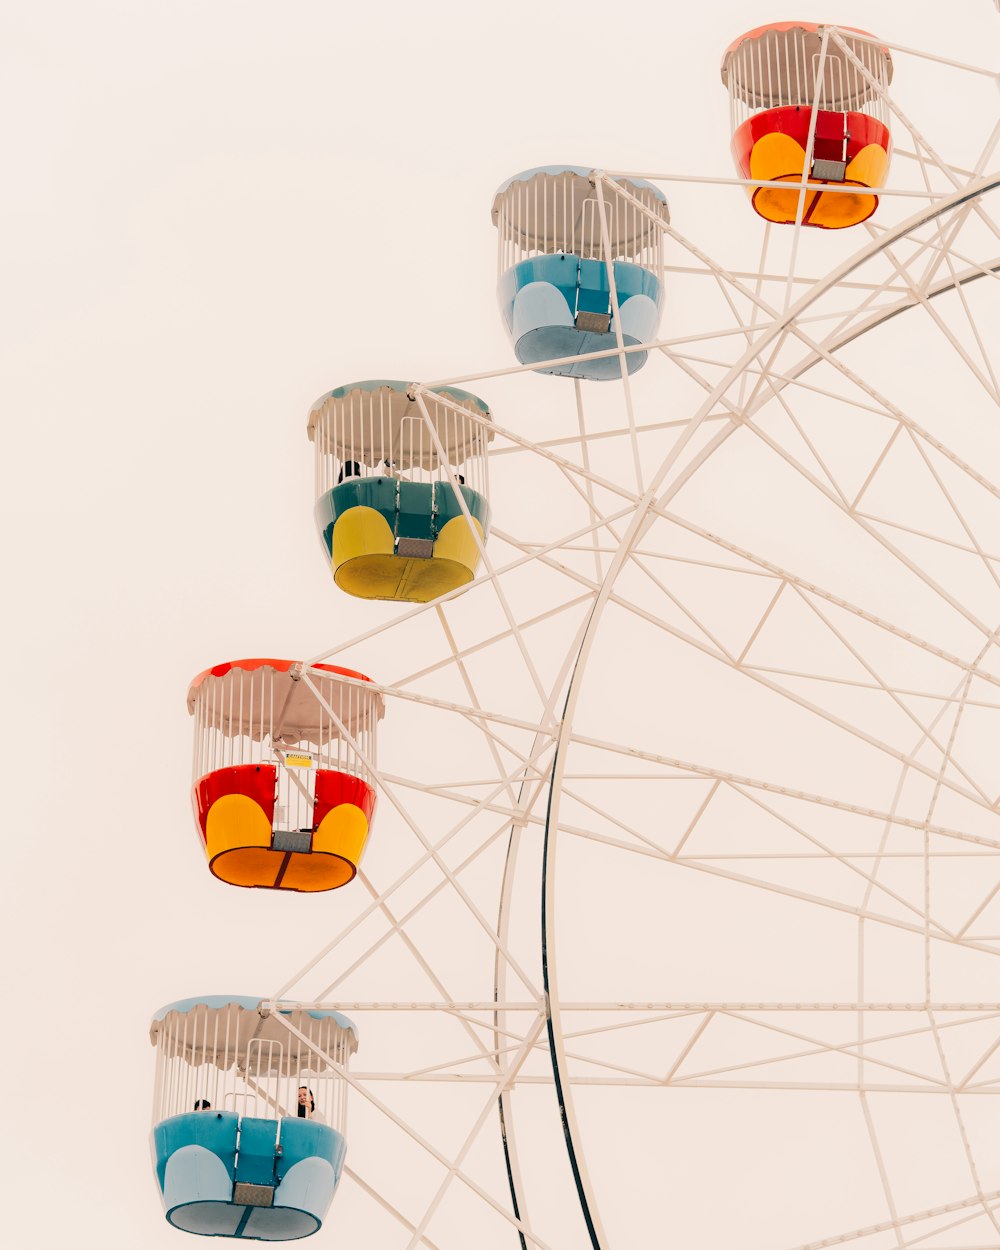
(215, 211)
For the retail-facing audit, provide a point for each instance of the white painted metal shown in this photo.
(265, 716)
(382, 433)
(781, 68)
(560, 212)
(213, 1054)
(749, 381)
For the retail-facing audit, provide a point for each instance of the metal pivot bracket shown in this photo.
(415, 548)
(593, 322)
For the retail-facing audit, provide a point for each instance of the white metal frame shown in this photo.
(780, 69)
(203, 1055)
(361, 436)
(540, 217)
(783, 345)
(241, 718)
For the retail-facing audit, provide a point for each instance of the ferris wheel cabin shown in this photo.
(561, 291)
(283, 790)
(249, 1118)
(402, 494)
(773, 74)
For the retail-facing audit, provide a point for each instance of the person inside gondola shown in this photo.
(202, 1104)
(351, 469)
(307, 1105)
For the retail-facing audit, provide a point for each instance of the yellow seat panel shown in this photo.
(365, 564)
(361, 531)
(235, 820)
(240, 852)
(779, 158)
(457, 542)
(248, 866)
(837, 211)
(399, 577)
(342, 831)
(312, 873)
(776, 156)
(869, 167)
(833, 211)
(781, 206)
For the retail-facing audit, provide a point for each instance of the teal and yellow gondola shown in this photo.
(403, 496)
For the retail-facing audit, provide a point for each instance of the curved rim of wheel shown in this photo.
(660, 490)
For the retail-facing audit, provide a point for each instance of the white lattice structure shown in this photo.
(688, 918)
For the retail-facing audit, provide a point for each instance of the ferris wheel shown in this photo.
(664, 817)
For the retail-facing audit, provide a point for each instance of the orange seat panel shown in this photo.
(234, 810)
(771, 147)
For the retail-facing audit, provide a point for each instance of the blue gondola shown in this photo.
(248, 1116)
(554, 284)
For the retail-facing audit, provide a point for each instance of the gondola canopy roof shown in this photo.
(774, 66)
(378, 420)
(565, 207)
(217, 1029)
(268, 697)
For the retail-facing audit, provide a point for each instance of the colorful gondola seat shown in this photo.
(403, 508)
(554, 280)
(224, 1172)
(773, 78)
(282, 800)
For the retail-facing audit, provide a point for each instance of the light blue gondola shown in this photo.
(554, 280)
(237, 1152)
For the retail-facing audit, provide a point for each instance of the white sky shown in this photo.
(213, 213)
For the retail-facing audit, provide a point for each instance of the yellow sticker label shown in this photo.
(298, 761)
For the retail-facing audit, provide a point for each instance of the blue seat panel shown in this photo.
(570, 275)
(540, 304)
(197, 1162)
(306, 1139)
(255, 1161)
(216, 1131)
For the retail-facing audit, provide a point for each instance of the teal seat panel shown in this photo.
(379, 493)
(215, 1131)
(629, 280)
(411, 509)
(373, 492)
(307, 1139)
(561, 271)
(415, 518)
(447, 506)
(255, 1162)
(325, 516)
(594, 294)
